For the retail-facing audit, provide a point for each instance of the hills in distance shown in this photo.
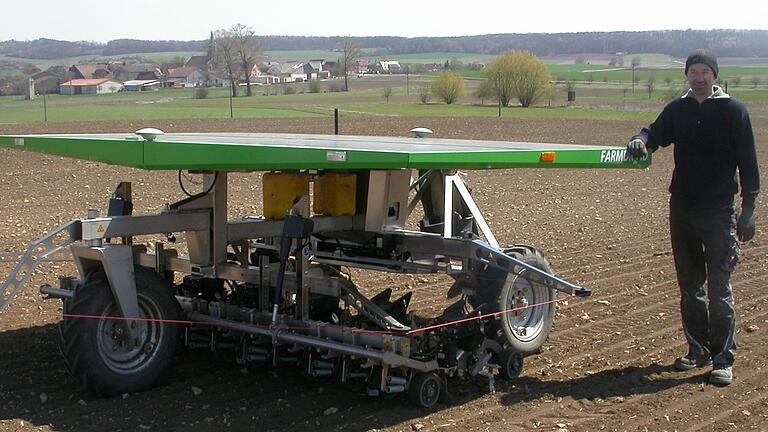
(678, 43)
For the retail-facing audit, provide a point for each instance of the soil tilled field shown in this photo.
(605, 367)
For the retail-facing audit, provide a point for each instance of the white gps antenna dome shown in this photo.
(421, 132)
(149, 134)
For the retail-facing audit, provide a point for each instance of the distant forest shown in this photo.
(678, 43)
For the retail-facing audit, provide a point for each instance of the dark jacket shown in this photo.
(711, 140)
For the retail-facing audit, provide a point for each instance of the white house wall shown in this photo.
(107, 87)
(196, 78)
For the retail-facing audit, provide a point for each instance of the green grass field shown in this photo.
(171, 104)
(437, 109)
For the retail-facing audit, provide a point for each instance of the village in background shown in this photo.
(197, 71)
(239, 58)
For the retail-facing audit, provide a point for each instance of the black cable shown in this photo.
(210, 188)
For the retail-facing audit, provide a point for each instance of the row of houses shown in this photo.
(97, 78)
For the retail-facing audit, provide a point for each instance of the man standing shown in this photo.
(713, 137)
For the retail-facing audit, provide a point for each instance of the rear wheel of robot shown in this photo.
(97, 350)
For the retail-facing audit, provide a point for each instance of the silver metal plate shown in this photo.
(336, 156)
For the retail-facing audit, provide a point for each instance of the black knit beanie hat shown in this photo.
(703, 57)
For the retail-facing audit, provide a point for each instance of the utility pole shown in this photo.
(407, 87)
(231, 111)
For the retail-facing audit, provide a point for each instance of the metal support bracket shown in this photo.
(455, 180)
(118, 265)
(36, 252)
(117, 261)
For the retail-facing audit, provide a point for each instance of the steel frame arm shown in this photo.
(28, 262)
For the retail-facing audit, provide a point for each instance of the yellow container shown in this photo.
(334, 194)
(281, 190)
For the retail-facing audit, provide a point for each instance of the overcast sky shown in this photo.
(99, 20)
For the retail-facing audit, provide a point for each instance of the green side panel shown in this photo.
(224, 157)
(251, 152)
(609, 157)
(127, 152)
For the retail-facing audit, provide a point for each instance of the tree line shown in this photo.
(725, 43)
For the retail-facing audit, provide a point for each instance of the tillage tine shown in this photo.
(29, 261)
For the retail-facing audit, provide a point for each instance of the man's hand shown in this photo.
(745, 227)
(636, 150)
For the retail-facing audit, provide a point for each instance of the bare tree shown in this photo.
(424, 94)
(315, 86)
(675, 90)
(350, 52)
(736, 81)
(635, 79)
(485, 91)
(755, 81)
(225, 57)
(650, 84)
(247, 50)
(387, 93)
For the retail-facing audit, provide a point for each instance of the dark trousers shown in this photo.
(706, 250)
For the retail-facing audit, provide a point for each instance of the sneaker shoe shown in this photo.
(691, 362)
(721, 375)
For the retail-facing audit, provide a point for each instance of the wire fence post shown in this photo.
(335, 121)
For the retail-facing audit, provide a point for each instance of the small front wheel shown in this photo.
(528, 304)
(510, 364)
(425, 389)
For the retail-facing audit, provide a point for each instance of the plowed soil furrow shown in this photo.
(701, 397)
(559, 347)
(618, 248)
(659, 290)
(627, 389)
(641, 260)
(604, 368)
(608, 333)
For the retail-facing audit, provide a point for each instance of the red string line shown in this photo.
(342, 329)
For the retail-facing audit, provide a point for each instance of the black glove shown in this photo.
(745, 227)
(636, 150)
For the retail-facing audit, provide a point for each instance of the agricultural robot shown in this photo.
(275, 290)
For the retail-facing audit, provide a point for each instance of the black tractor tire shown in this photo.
(524, 331)
(95, 352)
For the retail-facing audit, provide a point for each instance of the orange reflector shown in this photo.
(548, 156)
